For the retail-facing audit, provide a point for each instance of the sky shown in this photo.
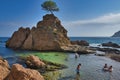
(81, 18)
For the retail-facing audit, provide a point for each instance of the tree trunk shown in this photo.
(51, 12)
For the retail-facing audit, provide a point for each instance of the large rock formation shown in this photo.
(48, 35)
(4, 68)
(117, 34)
(20, 73)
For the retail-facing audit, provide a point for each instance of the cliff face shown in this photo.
(117, 34)
(48, 35)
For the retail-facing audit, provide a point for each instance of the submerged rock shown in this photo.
(4, 69)
(18, 72)
(48, 35)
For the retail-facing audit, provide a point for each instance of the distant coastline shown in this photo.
(116, 34)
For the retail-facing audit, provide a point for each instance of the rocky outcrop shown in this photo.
(109, 50)
(34, 62)
(117, 34)
(18, 38)
(18, 72)
(81, 43)
(48, 35)
(4, 68)
(78, 49)
(111, 44)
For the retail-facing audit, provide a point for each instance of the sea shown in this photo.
(91, 64)
(93, 41)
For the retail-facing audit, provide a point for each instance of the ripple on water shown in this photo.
(91, 68)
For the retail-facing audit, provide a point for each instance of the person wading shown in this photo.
(78, 68)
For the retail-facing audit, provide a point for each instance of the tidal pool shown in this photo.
(91, 68)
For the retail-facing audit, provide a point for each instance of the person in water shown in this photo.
(78, 68)
(105, 68)
(76, 55)
(110, 69)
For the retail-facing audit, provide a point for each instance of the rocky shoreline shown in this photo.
(110, 50)
(33, 70)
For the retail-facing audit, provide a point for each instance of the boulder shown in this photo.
(4, 69)
(34, 62)
(111, 44)
(49, 35)
(81, 43)
(18, 72)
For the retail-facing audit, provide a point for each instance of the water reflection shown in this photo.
(110, 76)
(77, 77)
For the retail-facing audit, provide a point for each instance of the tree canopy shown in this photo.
(50, 5)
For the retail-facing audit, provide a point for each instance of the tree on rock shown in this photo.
(49, 5)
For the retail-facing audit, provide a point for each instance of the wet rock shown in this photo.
(34, 62)
(109, 50)
(115, 57)
(111, 44)
(81, 43)
(18, 72)
(100, 53)
(78, 49)
(4, 69)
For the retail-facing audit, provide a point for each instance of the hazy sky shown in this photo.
(79, 17)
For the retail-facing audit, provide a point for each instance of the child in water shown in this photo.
(110, 69)
(105, 68)
(78, 68)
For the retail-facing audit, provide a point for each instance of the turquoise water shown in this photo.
(91, 64)
(91, 69)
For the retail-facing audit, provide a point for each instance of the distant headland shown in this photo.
(116, 34)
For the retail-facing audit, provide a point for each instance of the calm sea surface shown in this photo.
(97, 40)
(91, 64)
